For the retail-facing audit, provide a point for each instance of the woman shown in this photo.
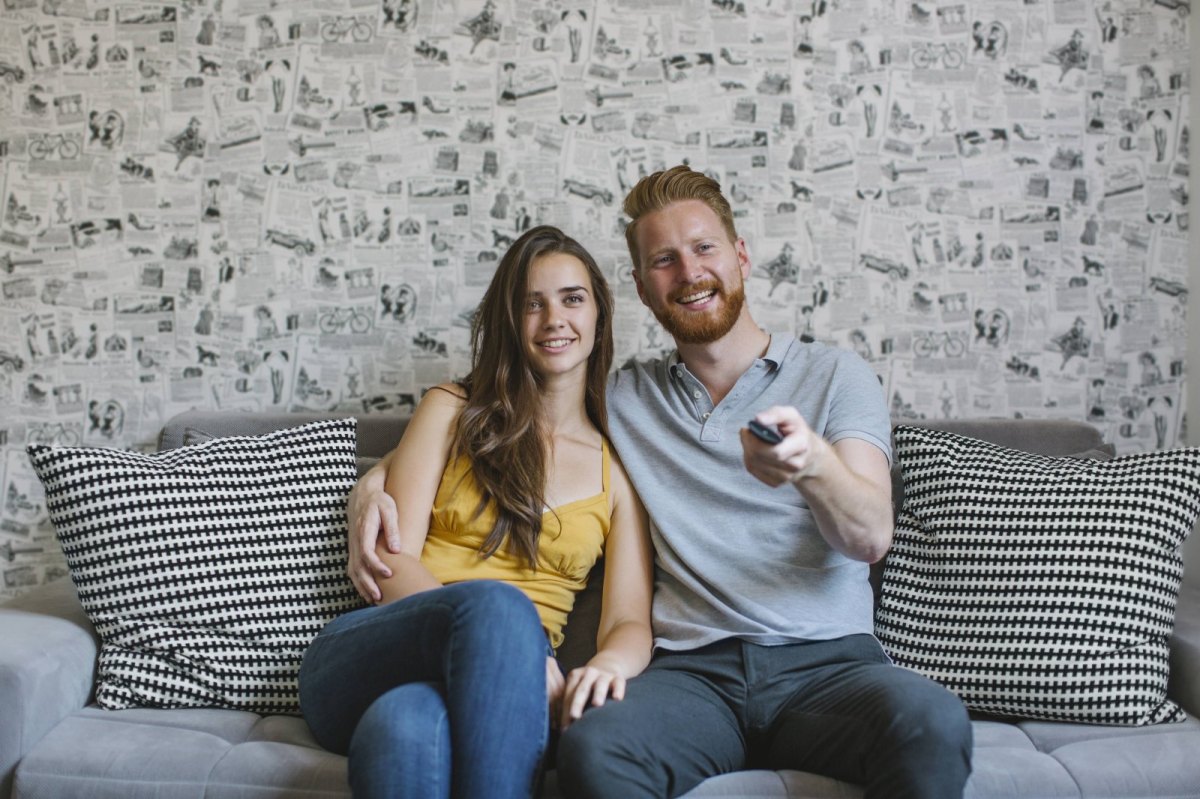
(507, 494)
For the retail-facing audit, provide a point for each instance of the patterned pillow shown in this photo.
(362, 464)
(207, 569)
(1038, 587)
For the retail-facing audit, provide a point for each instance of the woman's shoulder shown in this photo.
(620, 487)
(439, 408)
(451, 395)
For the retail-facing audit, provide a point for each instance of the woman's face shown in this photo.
(560, 315)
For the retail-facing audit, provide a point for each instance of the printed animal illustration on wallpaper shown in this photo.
(236, 204)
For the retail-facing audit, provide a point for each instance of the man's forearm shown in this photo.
(853, 512)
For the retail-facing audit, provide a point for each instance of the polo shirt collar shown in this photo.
(777, 350)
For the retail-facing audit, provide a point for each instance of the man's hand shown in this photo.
(800, 454)
(370, 510)
(847, 485)
(555, 683)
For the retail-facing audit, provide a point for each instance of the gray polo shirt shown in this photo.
(734, 557)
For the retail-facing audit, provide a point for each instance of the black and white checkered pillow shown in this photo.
(1037, 587)
(207, 569)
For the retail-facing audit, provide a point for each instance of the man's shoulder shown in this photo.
(818, 354)
(636, 371)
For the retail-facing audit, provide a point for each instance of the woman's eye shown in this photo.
(574, 299)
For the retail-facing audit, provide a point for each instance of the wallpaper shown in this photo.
(263, 205)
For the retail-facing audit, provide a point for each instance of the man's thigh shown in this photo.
(674, 729)
(844, 715)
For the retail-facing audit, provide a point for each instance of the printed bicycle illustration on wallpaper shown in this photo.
(942, 188)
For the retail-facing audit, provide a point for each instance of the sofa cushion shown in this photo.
(206, 570)
(101, 754)
(1038, 587)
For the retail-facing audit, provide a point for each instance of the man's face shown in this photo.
(690, 275)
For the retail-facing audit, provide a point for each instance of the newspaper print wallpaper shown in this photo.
(257, 204)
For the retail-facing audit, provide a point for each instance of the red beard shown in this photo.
(701, 328)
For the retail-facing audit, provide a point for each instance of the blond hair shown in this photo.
(655, 192)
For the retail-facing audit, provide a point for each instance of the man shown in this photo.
(764, 653)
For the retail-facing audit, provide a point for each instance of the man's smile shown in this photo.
(696, 297)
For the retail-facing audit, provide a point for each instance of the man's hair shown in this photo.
(655, 192)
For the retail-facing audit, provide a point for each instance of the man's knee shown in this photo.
(932, 719)
(588, 755)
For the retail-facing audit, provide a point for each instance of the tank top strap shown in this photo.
(605, 461)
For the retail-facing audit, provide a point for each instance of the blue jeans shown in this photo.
(439, 694)
(837, 708)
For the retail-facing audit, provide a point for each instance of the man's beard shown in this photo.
(695, 328)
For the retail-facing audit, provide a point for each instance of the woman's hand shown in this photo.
(555, 682)
(589, 685)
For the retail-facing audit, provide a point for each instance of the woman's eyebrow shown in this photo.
(563, 290)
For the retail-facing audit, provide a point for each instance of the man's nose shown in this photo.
(687, 268)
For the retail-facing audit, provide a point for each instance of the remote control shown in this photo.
(764, 432)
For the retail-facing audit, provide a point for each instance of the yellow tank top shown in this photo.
(572, 539)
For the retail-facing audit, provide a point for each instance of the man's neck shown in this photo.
(720, 363)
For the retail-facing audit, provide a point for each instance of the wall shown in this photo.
(246, 204)
(1192, 546)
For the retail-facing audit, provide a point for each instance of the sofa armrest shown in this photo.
(1185, 651)
(47, 668)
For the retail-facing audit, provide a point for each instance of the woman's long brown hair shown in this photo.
(500, 429)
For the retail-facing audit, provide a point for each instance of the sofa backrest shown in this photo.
(378, 433)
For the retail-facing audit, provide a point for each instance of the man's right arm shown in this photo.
(369, 511)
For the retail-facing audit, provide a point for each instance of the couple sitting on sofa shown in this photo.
(762, 611)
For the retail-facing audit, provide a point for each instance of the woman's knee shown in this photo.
(497, 605)
(410, 717)
(401, 746)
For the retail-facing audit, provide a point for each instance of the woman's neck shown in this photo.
(563, 410)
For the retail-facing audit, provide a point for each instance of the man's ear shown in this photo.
(743, 256)
(637, 282)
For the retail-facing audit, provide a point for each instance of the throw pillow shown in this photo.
(1039, 587)
(362, 463)
(207, 569)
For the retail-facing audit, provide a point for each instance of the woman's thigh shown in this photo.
(365, 653)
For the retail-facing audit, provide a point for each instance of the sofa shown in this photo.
(55, 742)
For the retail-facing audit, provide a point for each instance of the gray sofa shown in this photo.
(54, 743)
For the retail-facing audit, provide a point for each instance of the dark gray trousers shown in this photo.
(837, 708)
